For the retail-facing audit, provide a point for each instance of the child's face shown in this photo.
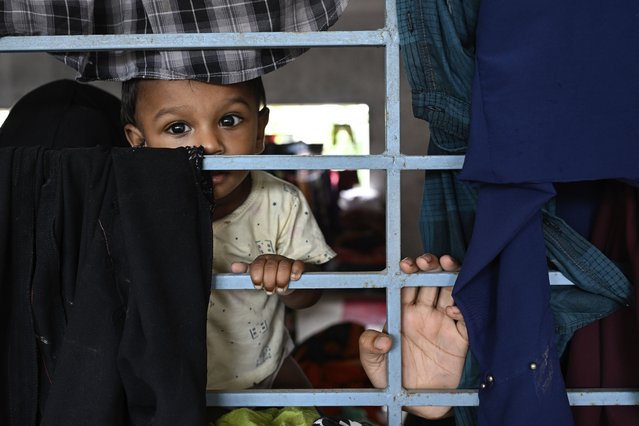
(223, 119)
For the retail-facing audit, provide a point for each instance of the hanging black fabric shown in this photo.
(105, 274)
(64, 114)
(104, 268)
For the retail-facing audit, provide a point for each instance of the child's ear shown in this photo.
(262, 121)
(133, 135)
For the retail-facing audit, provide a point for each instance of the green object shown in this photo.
(287, 416)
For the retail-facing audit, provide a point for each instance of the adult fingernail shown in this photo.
(257, 287)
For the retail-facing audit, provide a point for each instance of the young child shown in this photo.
(261, 224)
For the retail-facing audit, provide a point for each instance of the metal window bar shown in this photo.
(394, 397)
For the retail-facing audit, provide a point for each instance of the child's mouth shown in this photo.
(218, 176)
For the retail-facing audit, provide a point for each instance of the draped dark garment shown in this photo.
(604, 354)
(64, 114)
(105, 260)
(554, 100)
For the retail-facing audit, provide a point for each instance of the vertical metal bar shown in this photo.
(393, 214)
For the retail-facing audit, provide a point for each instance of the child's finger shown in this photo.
(283, 275)
(271, 277)
(239, 267)
(284, 291)
(297, 269)
(256, 270)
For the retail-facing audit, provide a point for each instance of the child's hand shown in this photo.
(271, 272)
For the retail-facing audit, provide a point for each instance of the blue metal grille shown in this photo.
(391, 160)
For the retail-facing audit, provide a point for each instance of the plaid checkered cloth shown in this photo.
(83, 17)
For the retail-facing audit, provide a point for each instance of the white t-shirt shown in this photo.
(245, 334)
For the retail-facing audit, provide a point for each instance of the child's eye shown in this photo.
(178, 128)
(230, 120)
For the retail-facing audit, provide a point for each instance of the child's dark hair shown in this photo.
(130, 93)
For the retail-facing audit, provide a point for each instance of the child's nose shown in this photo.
(212, 145)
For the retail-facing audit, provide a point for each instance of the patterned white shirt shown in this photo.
(246, 336)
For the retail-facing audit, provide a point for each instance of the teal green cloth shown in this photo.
(287, 416)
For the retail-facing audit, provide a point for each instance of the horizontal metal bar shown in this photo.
(557, 278)
(192, 41)
(339, 397)
(323, 280)
(603, 397)
(319, 162)
(378, 397)
(354, 280)
(576, 397)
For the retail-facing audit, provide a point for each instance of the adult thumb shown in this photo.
(373, 347)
